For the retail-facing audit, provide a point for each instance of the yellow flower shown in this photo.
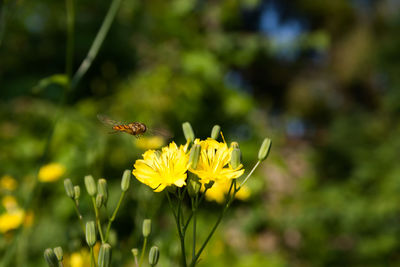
(9, 202)
(161, 169)
(11, 220)
(152, 142)
(219, 190)
(51, 172)
(214, 163)
(8, 183)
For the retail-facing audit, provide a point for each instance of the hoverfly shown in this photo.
(134, 128)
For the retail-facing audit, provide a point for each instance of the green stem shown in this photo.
(96, 211)
(248, 176)
(194, 208)
(92, 258)
(112, 218)
(143, 251)
(181, 236)
(227, 204)
(69, 57)
(98, 41)
(79, 216)
(191, 214)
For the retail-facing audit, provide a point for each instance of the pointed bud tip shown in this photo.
(90, 185)
(215, 132)
(264, 149)
(50, 257)
(126, 180)
(154, 255)
(146, 229)
(69, 188)
(188, 131)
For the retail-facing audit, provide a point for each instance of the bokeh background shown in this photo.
(320, 78)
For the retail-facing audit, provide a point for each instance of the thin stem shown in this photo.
(112, 218)
(92, 258)
(96, 211)
(136, 261)
(98, 41)
(194, 208)
(79, 216)
(181, 236)
(227, 204)
(248, 176)
(69, 56)
(143, 251)
(191, 213)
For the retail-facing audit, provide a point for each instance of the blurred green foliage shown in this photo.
(320, 78)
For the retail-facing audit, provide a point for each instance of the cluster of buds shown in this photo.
(154, 253)
(98, 193)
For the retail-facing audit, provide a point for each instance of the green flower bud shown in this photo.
(235, 158)
(77, 191)
(126, 179)
(264, 149)
(135, 252)
(69, 188)
(99, 200)
(59, 253)
(105, 255)
(235, 145)
(194, 156)
(188, 131)
(90, 185)
(154, 254)
(146, 229)
(91, 233)
(193, 185)
(215, 132)
(103, 189)
(50, 257)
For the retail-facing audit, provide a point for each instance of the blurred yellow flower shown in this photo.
(11, 220)
(51, 172)
(159, 169)
(219, 190)
(76, 260)
(7, 182)
(79, 259)
(9, 202)
(152, 142)
(214, 163)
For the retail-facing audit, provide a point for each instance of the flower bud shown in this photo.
(103, 189)
(50, 257)
(193, 185)
(90, 185)
(99, 200)
(59, 253)
(215, 132)
(235, 145)
(146, 229)
(235, 158)
(69, 188)
(188, 131)
(264, 149)
(126, 179)
(194, 156)
(77, 191)
(154, 254)
(91, 233)
(135, 252)
(105, 255)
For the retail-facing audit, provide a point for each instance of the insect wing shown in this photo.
(107, 121)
